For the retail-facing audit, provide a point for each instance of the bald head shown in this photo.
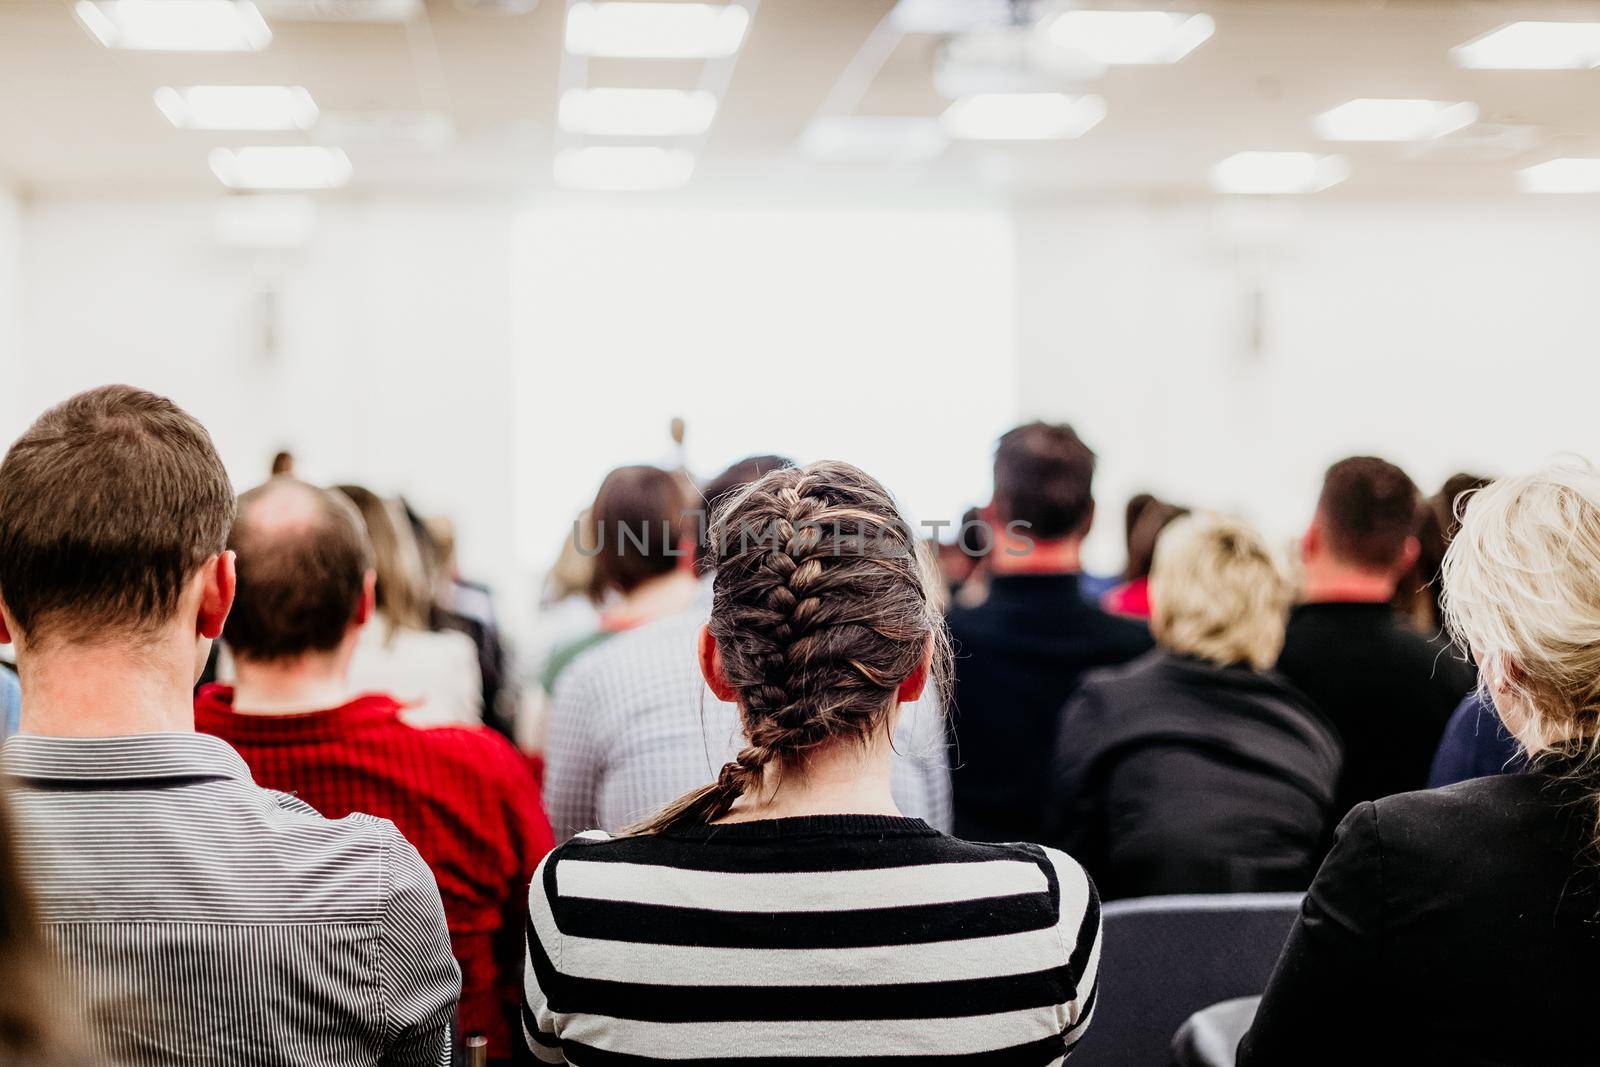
(302, 562)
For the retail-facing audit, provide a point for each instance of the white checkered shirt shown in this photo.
(633, 727)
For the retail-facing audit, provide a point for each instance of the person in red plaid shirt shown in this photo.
(464, 796)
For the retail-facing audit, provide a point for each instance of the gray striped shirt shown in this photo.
(206, 920)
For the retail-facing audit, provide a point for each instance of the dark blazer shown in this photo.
(1019, 656)
(1174, 775)
(1455, 926)
(1386, 688)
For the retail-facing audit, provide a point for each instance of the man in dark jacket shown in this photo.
(1020, 654)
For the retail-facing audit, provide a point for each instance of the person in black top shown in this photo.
(1462, 925)
(1387, 689)
(1195, 768)
(1020, 653)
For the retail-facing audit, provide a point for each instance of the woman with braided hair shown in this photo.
(788, 911)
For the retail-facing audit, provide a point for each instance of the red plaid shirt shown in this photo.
(464, 796)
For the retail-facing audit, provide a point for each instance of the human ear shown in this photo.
(216, 595)
(711, 668)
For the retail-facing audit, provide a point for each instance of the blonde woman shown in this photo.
(434, 673)
(1462, 925)
(1196, 769)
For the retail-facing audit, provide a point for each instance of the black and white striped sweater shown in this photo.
(839, 939)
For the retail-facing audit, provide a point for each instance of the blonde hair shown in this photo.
(1216, 592)
(1522, 594)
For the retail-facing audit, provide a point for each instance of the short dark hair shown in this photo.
(1043, 476)
(109, 504)
(1369, 509)
(303, 557)
(639, 519)
(720, 488)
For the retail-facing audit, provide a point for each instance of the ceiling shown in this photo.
(77, 118)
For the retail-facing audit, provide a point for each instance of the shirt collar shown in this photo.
(214, 714)
(140, 756)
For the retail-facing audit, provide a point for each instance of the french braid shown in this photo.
(821, 607)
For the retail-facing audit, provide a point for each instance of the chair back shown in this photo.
(1165, 958)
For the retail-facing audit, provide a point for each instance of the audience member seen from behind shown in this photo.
(565, 614)
(461, 794)
(1386, 688)
(435, 674)
(891, 939)
(1427, 894)
(467, 608)
(642, 558)
(1021, 652)
(35, 1030)
(1196, 768)
(1420, 593)
(210, 920)
(634, 725)
(1132, 597)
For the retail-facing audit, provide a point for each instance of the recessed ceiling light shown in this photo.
(872, 139)
(637, 112)
(1370, 119)
(655, 30)
(1533, 46)
(948, 16)
(175, 25)
(1128, 37)
(281, 167)
(238, 107)
(1278, 172)
(619, 168)
(1022, 116)
(1561, 176)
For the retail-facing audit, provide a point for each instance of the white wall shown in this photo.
(881, 335)
(1444, 336)
(10, 333)
(382, 355)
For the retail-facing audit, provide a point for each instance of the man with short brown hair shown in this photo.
(1021, 653)
(204, 919)
(462, 794)
(1385, 687)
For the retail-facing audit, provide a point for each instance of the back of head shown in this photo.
(822, 607)
(1153, 518)
(639, 519)
(403, 594)
(1043, 476)
(1216, 593)
(1522, 592)
(723, 486)
(109, 505)
(1368, 511)
(303, 557)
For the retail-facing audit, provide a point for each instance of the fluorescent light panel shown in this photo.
(1533, 46)
(1117, 38)
(656, 30)
(1371, 119)
(872, 139)
(238, 107)
(281, 167)
(618, 168)
(175, 25)
(1278, 173)
(637, 112)
(1561, 176)
(1022, 116)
